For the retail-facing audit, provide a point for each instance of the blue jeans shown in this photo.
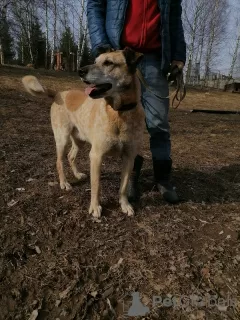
(156, 109)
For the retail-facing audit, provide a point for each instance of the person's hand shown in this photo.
(177, 63)
(175, 69)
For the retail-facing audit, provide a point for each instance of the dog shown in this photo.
(108, 114)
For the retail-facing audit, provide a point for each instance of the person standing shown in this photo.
(154, 28)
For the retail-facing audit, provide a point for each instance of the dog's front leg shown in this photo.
(96, 162)
(128, 162)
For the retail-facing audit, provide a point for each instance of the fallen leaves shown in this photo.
(52, 183)
(64, 294)
(37, 249)
(12, 203)
(21, 189)
(205, 272)
(34, 315)
(108, 292)
(117, 265)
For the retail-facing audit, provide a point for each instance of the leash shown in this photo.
(175, 75)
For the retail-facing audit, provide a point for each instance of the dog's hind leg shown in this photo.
(62, 130)
(128, 162)
(96, 162)
(61, 144)
(72, 155)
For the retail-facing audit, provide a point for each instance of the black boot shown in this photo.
(133, 189)
(162, 174)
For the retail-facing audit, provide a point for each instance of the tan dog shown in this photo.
(108, 115)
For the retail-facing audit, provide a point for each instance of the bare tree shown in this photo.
(80, 45)
(54, 37)
(236, 49)
(205, 24)
(46, 33)
(53, 17)
(194, 11)
(4, 4)
(83, 45)
(23, 12)
(217, 28)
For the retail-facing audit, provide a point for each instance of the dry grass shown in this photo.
(212, 99)
(56, 260)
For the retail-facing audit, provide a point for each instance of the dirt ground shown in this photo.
(57, 263)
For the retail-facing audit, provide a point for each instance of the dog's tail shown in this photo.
(34, 87)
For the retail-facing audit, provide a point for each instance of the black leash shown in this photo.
(176, 76)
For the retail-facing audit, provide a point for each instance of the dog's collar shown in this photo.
(127, 107)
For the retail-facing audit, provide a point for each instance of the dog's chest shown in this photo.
(123, 133)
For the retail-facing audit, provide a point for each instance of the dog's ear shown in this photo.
(133, 58)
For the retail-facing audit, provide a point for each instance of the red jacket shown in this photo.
(142, 26)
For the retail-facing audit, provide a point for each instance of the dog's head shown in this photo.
(112, 73)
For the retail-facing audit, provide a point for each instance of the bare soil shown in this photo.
(56, 262)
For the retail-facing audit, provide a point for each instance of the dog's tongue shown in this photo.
(89, 90)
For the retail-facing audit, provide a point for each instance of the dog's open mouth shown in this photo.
(97, 90)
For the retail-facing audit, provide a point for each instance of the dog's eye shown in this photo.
(107, 63)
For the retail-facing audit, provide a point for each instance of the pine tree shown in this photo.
(68, 48)
(6, 40)
(85, 56)
(37, 46)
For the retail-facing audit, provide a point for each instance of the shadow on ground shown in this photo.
(212, 186)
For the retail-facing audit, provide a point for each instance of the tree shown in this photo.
(46, 32)
(54, 38)
(235, 56)
(195, 17)
(193, 26)
(39, 43)
(217, 28)
(34, 23)
(235, 50)
(205, 24)
(33, 50)
(6, 40)
(68, 48)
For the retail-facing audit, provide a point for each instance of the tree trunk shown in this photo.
(192, 45)
(211, 40)
(29, 37)
(83, 44)
(201, 45)
(80, 38)
(46, 30)
(1, 55)
(54, 33)
(22, 51)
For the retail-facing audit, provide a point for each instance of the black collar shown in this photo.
(127, 107)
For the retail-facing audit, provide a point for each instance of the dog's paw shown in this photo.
(127, 208)
(95, 211)
(65, 186)
(81, 176)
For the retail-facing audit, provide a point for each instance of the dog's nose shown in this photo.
(82, 72)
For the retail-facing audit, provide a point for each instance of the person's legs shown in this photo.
(156, 105)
